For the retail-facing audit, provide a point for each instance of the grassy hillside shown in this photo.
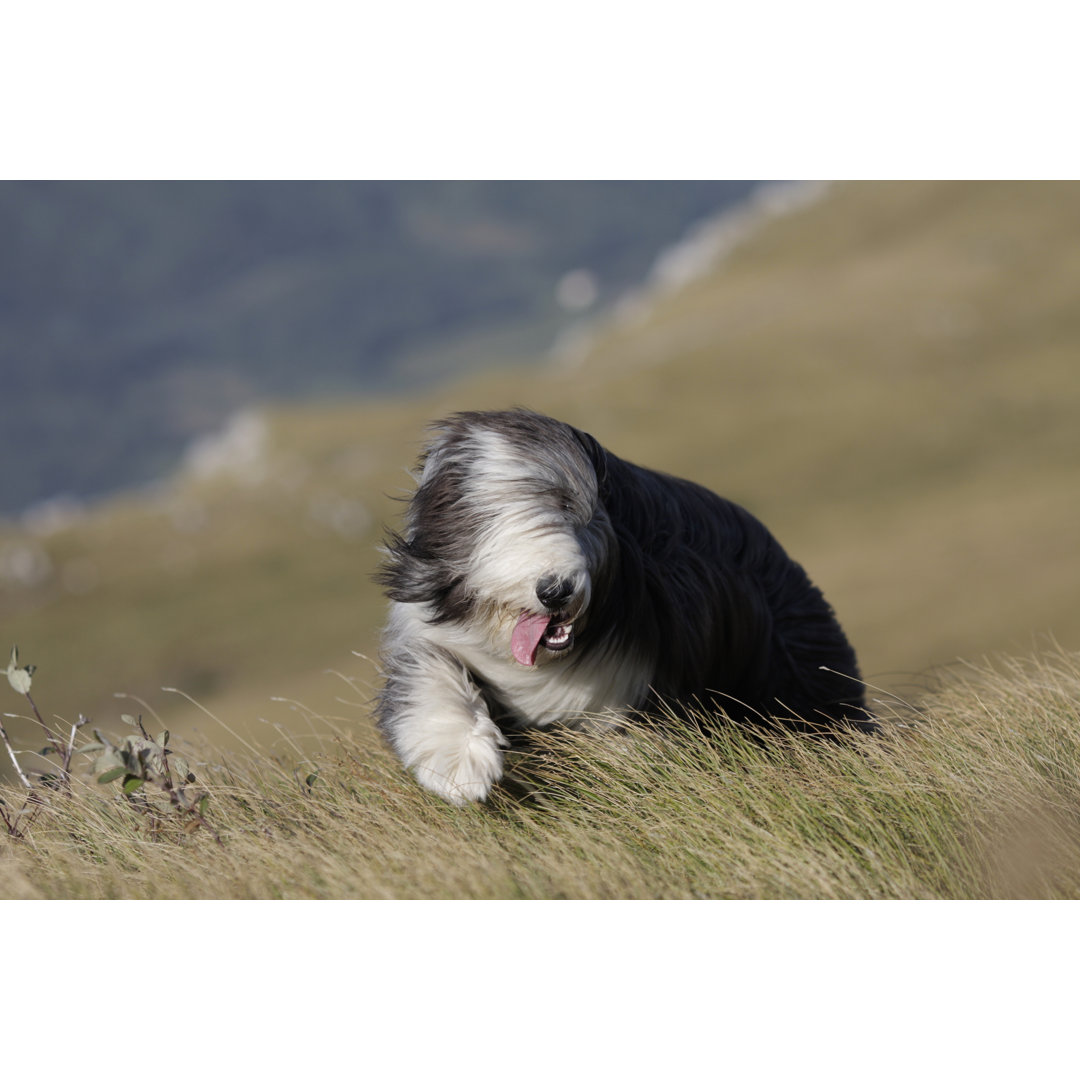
(975, 797)
(888, 379)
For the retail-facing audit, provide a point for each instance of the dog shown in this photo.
(541, 579)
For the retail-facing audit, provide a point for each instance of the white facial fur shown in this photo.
(518, 541)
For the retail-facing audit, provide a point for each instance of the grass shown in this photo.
(976, 795)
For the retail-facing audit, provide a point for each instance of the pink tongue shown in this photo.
(525, 639)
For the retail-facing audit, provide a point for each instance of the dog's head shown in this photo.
(506, 534)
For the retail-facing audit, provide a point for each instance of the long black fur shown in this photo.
(726, 617)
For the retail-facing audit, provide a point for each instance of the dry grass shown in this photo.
(975, 796)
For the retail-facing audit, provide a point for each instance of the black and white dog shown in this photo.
(539, 578)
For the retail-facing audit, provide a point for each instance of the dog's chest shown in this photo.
(560, 692)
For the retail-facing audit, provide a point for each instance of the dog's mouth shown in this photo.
(532, 632)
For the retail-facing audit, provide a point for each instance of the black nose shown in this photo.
(553, 591)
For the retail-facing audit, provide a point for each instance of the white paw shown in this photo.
(466, 769)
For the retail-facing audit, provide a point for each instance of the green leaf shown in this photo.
(112, 774)
(110, 759)
(20, 680)
(132, 785)
(19, 677)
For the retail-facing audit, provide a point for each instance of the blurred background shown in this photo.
(212, 391)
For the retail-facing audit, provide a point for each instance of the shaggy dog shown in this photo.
(540, 578)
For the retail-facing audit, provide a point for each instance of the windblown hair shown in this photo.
(541, 579)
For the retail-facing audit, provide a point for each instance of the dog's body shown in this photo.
(540, 579)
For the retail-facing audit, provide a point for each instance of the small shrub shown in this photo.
(151, 783)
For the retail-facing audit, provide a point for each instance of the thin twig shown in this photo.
(71, 740)
(11, 754)
(53, 740)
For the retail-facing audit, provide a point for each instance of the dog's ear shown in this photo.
(597, 454)
(422, 565)
(413, 575)
(445, 437)
(410, 574)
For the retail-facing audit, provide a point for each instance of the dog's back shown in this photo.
(729, 617)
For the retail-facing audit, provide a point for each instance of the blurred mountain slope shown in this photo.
(136, 316)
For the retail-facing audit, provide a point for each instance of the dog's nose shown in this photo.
(553, 591)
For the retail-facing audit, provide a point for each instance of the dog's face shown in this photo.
(506, 537)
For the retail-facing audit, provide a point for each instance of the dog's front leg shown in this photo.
(434, 717)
